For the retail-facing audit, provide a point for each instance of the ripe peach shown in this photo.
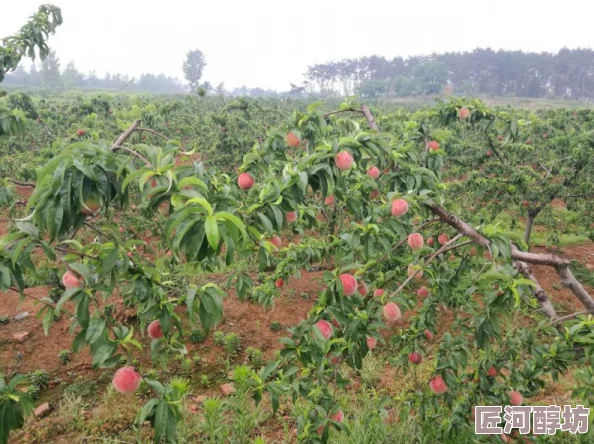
(325, 328)
(415, 241)
(472, 252)
(544, 136)
(379, 292)
(412, 270)
(373, 194)
(349, 284)
(528, 142)
(92, 206)
(392, 312)
(433, 146)
(526, 204)
(371, 342)
(338, 416)
(121, 229)
(438, 385)
(70, 280)
(430, 241)
(492, 372)
(276, 241)
(464, 113)
(500, 138)
(362, 289)
(344, 160)
(423, 292)
(154, 330)
(399, 207)
(489, 153)
(374, 172)
(515, 398)
(443, 239)
(168, 254)
(329, 200)
(293, 139)
(279, 283)
(129, 254)
(291, 216)
(245, 181)
(415, 358)
(126, 380)
(81, 132)
(428, 335)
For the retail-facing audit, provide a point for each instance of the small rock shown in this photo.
(20, 336)
(22, 315)
(227, 389)
(42, 410)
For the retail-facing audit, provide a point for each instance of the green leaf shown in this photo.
(212, 232)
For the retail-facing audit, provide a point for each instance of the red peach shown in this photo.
(276, 241)
(245, 181)
(379, 292)
(325, 328)
(344, 160)
(399, 207)
(392, 312)
(293, 139)
(423, 292)
(70, 280)
(428, 335)
(415, 241)
(291, 216)
(374, 172)
(443, 239)
(433, 146)
(464, 113)
(415, 358)
(279, 283)
(126, 380)
(371, 342)
(329, 200)
(154, 330)
(349, 284)
(515, 398)
(438, 385)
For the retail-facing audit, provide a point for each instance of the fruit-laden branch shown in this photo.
(124, 136)
(538, 292)
(560, 264)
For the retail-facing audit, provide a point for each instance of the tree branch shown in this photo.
(124, 136)
(370, 119)
(23, 184)
(538, 292)
(343, 111)
(134, 153)
(148, 130)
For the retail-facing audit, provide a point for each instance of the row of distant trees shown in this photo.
(566, 74)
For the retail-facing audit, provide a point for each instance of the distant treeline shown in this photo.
(49, 75)
(567, 74)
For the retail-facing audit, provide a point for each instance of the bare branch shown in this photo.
(568, 317)
(23, 184)
(134, 153)
(343, 111)
(148, 130)
(370, 119)
(538, 292)
(124, 136)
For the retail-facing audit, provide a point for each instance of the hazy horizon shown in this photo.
(267, 44)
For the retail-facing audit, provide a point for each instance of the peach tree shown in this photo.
(395, 249)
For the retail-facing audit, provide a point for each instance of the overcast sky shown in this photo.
(269, 43)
